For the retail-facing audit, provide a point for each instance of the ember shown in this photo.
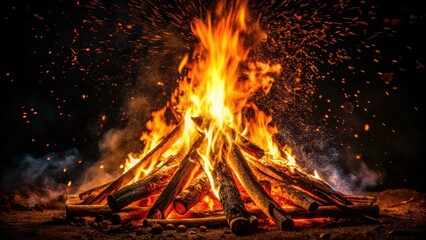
(220, 146)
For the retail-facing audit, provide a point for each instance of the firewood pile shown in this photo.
(244, 174)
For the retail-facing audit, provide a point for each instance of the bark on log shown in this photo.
(360, 199)
(152, 155)
(290, 193)
(187, 168)
(298, 197)
(149, 185)
(256, 192)
(192, 194)
(127, 216)
(230, 199)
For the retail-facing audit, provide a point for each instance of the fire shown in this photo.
(220, 79)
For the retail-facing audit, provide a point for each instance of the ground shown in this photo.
(402, 216)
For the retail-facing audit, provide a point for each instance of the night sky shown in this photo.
(74, 73)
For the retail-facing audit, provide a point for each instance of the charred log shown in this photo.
(185, 173)
(151, 184)
(152, 155)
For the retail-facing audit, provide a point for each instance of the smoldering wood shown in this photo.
(152, 155)
(187, 168)
(149, 185)
(192, 194)
(257, 193)
(230, 199)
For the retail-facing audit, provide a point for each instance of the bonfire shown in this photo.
(217, 161)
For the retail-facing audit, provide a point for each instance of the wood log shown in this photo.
(89, 192)
(245, 143)
(360, 199)
(96, 210)
(230, 199)
(185, 173)
(72, 199)
(149, 185)
(217, 218)
(310, 185)
(257, 193)
(192, 194)
(290, 193)
(300, 179)
(298, 197)
(152, 155)
(127, 216)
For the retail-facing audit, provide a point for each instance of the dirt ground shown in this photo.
(402, 216)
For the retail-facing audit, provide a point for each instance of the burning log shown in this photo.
(152, 155)
(187, 168)
(311, 185)
(315, 187)
(217, 219)
(89, 192)
(232, 204)
(245, 175)
(294, 195)
(192, 194)
(151, 184)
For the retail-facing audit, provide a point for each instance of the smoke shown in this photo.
(116, 144)
(32, 181)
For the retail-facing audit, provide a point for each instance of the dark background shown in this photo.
(62, 71)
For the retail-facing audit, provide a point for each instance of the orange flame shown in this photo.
(217, 84)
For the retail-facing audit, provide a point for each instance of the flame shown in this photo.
(316, 175)
(216, 84)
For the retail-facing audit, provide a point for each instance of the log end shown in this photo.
(180, 207)
(313, 207)
(112, 203)
(287, 224)
(155, 213)
(146, 222)
(240, 226)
